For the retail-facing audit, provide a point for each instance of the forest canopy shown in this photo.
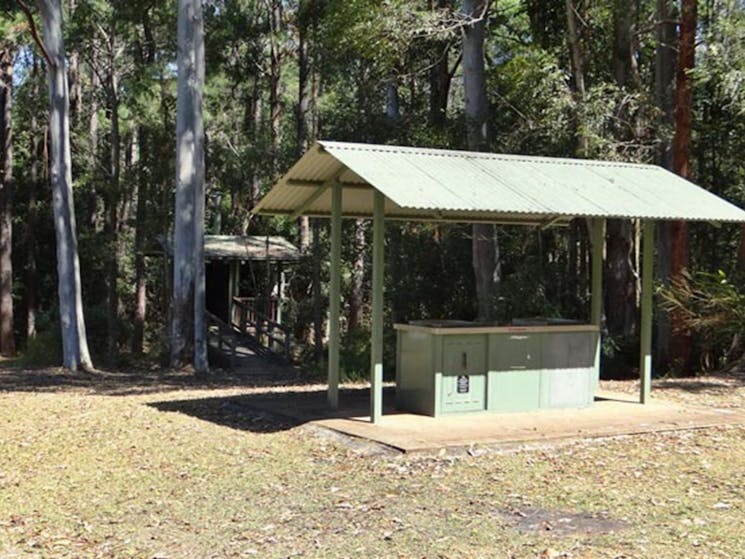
(601, 79)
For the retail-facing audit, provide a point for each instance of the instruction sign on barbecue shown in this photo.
(463, 382)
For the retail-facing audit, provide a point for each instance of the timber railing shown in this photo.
(223, 336)
(269, 333)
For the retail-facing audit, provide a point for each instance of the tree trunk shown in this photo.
(664, 94)
(32, 277)
(356, 299)
(93, 219)
(741, 250)
(187, 321)
(111, 213)
(578, 68)
(275, 81)
(74, 77)
(73, 72)
(74, 341)
(624, 20)
(392, 101)
(577, 270)
(680, 341)
(316, 292)
(439, 75)
(143, 178)
(257, 124)
(620, 282)
(575, 49)
(620, 277)
(7, 340)
(485, 245)
(316, 224)
(140, 299)
(303, 106)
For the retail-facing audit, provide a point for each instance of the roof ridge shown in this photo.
(454, 153)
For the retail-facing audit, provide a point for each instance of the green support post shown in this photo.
(597, 236)
(645, 357)
(597, 241)
(376, 349)
(334, 297)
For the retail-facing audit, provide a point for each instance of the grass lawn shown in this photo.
(90, 466)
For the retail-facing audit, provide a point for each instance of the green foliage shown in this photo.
(354, 354)
(357, 50)
(534, 111)
(45, 350)
(713, 307)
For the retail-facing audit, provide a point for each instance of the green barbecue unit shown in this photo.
(452, 367)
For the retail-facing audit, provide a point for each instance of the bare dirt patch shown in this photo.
(561, 523)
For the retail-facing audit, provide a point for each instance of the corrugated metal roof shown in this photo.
(235, 247)
(447, 185)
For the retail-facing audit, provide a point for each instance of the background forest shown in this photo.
(570, 78)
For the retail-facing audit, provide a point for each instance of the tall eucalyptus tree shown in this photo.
(7, 340)
(485, 244)
(74, 341)
(188, 330)
(680, 341)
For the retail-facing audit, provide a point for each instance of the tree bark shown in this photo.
(356, 299)
(7, 339)
(145, 147)
(93, 219)
(620, 283)
(680, 341)
(72, 322)
(620, 277)
(665, 52)
(575, 49)
(140, 295)
(275, 81)
(187, 321)
(316, 224)
(439, 74)
(484, 244)
(316, 292)
(624, 20)
(578, 68)
(741, 250)
(392, 101)
(257, 119)
(73, 72)
(111, 213)
(303, 106)
(32, 277)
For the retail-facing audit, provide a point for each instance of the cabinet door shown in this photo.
(569, 371)
(514, 372)
(463, 375)
(515, 352)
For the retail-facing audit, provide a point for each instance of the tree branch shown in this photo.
(32, 27)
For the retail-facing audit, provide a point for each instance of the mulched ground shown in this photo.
(106, 465)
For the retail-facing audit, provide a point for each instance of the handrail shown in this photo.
(268, 332)
(224, 334)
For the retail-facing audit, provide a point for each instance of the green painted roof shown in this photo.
(447, 185)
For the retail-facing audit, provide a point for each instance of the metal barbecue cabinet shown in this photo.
(446, 367)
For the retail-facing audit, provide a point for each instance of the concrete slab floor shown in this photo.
(611, 415)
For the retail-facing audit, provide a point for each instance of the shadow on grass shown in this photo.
(702, 386)
(269, 412)
(136, 381)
